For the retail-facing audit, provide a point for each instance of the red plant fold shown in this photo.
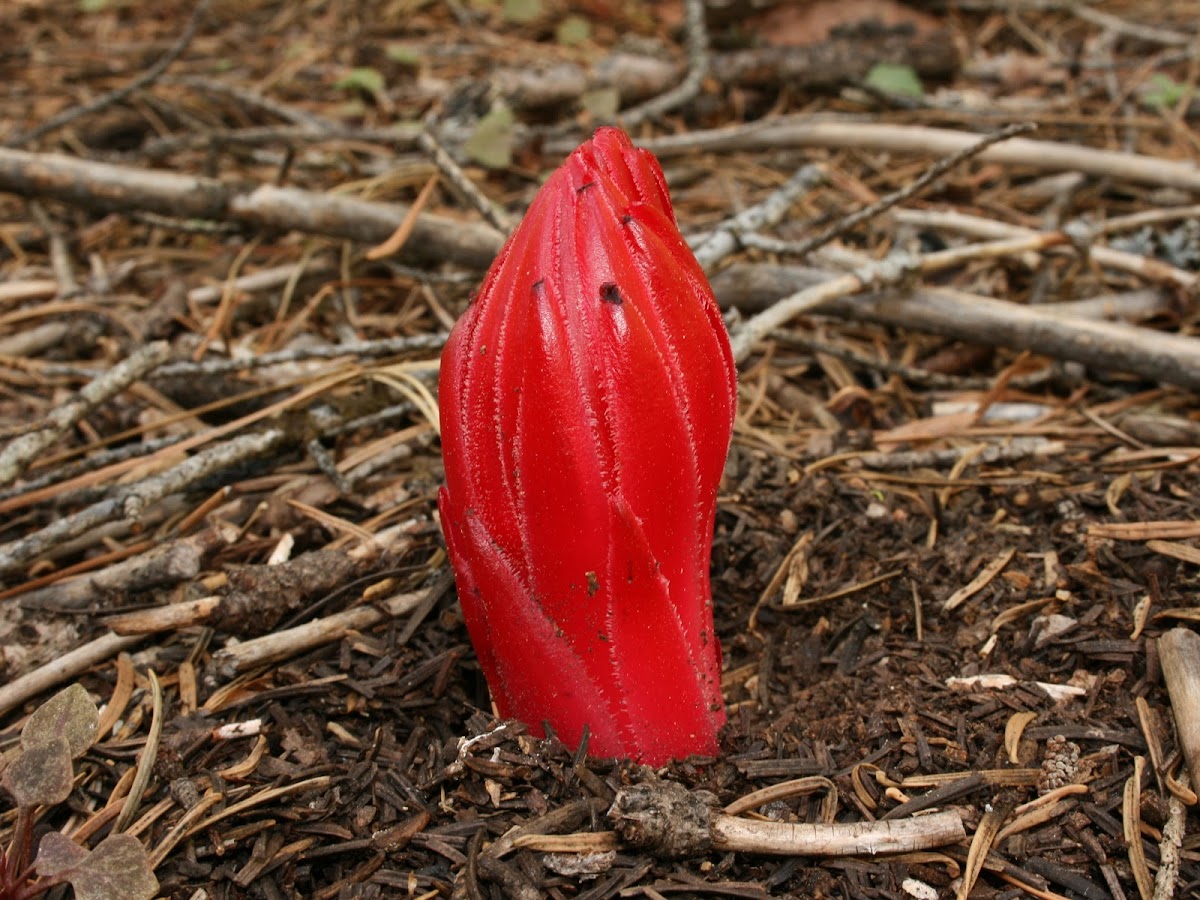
(587, 400)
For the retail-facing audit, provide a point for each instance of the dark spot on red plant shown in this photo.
(610, 293)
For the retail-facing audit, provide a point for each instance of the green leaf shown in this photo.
(93, 6)
(602, 103)
(69, 714)
(1164, 92)
(521, 12)
(573, 30)
(404, 54)
(491, 143)
(895, 78)
(364, 79)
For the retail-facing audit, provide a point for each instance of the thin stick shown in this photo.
(126, 188)
(1122, 261)
(130, 502)
(838, 133)
(462, 184)
(95, 461)
(252, 98)
(725, 239)
(839, 839)
(1141, 32)
(64, 668)
(114, 97)
(928, 177)
(292, 641)
(396, 137)
(890, 271)
(353, 349)
(164, 565)
(666, 819)
(26, 448)
(698, 65)
(733, 833)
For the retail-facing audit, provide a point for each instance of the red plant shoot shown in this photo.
(587, 403)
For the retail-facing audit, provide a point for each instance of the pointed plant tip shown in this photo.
(587, 399)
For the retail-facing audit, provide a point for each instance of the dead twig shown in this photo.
(116, 96)
(458, 179)
(669, 821)
(168, 564)
(1147, 33)
(838, 132)
(350, 350)
(127, 189)
(97, 460)
(696, 30)
(917, 186)
(64, 668)
(398, 137)
(26, 448)
(1011, 450)
(285, 644)
(726, 237)
(989, 229)
(1107, 346)
(893, 270)
(130, 502)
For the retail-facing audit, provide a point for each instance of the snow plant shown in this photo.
(587, 403)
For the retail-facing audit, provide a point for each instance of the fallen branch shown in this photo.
(112, 98)
(280, 645)
(726, 237)
(893, 270)
(669, 821)
(1107, 346)
(64, 668)
(166, 564)
(1179, 650)
(21, 451)
(838, 133)
(130, 502)
(126, 189)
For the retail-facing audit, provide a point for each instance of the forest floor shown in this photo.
(960, 512)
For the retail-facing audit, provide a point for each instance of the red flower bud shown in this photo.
(587, 403)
